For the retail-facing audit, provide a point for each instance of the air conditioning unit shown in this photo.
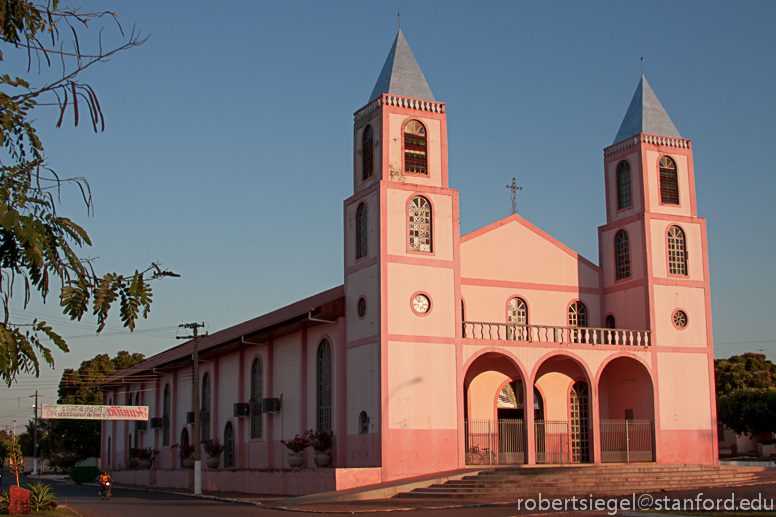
(190, 417)
(155, 423)
(271, 405)
(242, 409)
(140, 425)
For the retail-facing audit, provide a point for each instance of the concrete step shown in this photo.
(476, 483)
(600, 479)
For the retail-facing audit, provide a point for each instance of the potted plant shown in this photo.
(186, 453)
(134, 458)
(321, 442)
(213, 448)
(296, 446)
(146, 456)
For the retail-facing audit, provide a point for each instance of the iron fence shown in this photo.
(552, 441)
(495, 443)
(626, 441)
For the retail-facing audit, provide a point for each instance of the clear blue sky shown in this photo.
(228, 144)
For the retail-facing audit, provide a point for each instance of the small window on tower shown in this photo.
(623, 185)
(367, 153)
(669, 182)
(677, 252)
(622, 254)
(415, 159)
(420, 224)
(361, 233)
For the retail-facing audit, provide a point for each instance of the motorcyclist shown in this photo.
(104, 480)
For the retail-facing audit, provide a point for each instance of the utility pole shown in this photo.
(197, 410)
(35, 436)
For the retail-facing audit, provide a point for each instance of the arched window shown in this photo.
(610, 322)
(623, 185)
(184, 441)
(367, 153)
(677, 251)
(256, 394)
(622, 254)
(363, 421)
(324, 386)
(129, 399)
(420, 224)
(580, 424)
(166, 416)
(206, 407)
(578, 318)
(517, 314)
(229, 446)
(415, 159)
(361, 249)
(669, 183)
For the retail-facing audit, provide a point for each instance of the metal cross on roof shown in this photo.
(514, 188)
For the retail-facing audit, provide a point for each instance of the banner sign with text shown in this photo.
(77, 412)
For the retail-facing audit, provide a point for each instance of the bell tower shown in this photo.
(402, 274)
(654, 260)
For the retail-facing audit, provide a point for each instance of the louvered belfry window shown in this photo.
(420, 224)
(361, 249)
(324, 386)
(415, 157)
(623, 185)
(256, 394)
(367, 153)
(669, 182)
(622, 254)
(677, 251)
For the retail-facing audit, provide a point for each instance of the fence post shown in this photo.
(490, 441)
(627, 443)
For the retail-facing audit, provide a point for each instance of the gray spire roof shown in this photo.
(646, 115)
(401, 74)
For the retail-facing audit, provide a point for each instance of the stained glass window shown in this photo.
(324, 386)
(256, 394)
(622, 254)
(677, 252)
(361, 249)
(415, 159)
(680, 319)
(166, 416)
(367, 153)
(669, 182)
(205, 407)
(420, 224)
(517, 313)
(229, 449)
(623, 185)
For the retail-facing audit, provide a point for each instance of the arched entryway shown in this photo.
(494, 411)
(564, 429)
(627, 411)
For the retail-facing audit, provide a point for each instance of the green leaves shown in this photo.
(748, 410)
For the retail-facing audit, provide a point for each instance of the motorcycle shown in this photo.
(105, 490)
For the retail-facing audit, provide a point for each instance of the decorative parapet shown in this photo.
(402, 102)
(552, 334)
(647, 139)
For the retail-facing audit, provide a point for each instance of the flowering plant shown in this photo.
(186, 450)
(297, 444)
(213, 447)
(320, 440)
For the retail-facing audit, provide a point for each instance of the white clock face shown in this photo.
(421, 304)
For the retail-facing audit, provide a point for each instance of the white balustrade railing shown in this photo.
(402, 102)
(553, 334)
(679, 143)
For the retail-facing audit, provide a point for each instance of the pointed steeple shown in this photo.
(646, 115)
(401, 74)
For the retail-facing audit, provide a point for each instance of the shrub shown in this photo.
(41, 498)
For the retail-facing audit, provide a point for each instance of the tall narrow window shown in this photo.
(206, 407)
(623, 185)
(415, 159)
(580, 424)
(577, 315)
(677, 251)
(129, 399)
(669, 183)
(610, 322)
(229, 446)
(361, 249)
(420, 224)
(517, 314)
(367, 153)
(363, 421)
(324, 386)
(256, 394)
(622, 254)
(166, 416)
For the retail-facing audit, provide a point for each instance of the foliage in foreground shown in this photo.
(41, 498)
(748, 410)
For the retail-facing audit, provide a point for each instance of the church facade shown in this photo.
(442, 350)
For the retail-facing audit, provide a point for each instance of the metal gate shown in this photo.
(495, 443)
(626, 441)
(552, 441)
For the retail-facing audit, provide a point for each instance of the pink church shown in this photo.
(442, 350)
